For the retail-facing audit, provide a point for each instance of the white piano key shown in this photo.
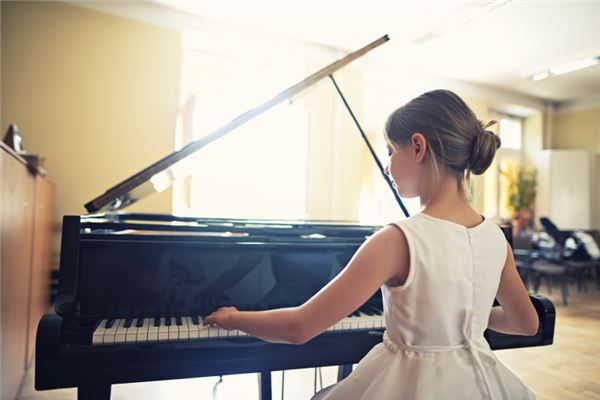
(131, 334)
(194, 330)
(204, 330)
(152, 330)
(213, 332)
(221, 333)
(163, 330)
(142, 332)
(358, 322)
(98, 335)
(121, 332)
(109, 333)
(184, 330)
(173, 330)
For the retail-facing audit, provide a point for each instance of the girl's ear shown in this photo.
(418, 146)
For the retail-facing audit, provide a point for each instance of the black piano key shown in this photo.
(128, 322)
(366, 310)
(195, 319)
(167, 321)
(373, 307)
(178, 320)
(109, 323)
(356, 313)
(156, 321)
(140, 322)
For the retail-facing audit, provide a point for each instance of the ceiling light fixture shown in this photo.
(564, 68)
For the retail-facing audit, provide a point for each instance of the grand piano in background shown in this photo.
(134, 287)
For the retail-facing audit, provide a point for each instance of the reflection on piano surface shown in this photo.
(133, 289)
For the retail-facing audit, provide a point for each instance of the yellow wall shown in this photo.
(93, 93)
(580, 130)
(533, 138)
(577, 130)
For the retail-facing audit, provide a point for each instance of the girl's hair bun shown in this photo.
(484, 146)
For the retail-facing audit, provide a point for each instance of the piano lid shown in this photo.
(159, 176)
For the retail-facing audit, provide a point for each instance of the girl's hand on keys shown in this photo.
(221, 318)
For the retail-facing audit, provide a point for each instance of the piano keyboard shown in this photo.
(142, 330)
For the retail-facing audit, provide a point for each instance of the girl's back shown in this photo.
(453, 276)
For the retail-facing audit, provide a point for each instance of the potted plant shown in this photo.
(521, 197)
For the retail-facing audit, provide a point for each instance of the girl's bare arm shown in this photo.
(515, 315)
(383, 256)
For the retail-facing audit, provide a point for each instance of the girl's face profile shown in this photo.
(402, 169)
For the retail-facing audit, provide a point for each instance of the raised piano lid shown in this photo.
(160, 175)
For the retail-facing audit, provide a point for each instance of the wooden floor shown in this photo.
(569, 369)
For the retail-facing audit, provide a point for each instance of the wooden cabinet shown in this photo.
(25, 235)
(41, 255)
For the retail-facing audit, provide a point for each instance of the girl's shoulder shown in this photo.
(424, 222)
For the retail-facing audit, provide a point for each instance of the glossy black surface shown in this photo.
(203, 276)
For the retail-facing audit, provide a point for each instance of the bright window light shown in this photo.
(510, 132)
(259, 170)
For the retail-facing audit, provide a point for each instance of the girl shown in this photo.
(439, 272)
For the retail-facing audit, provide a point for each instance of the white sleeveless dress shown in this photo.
(434, 346)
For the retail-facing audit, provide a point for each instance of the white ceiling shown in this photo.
(497, 43)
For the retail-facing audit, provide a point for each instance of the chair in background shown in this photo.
(537, 261)
(546, 264)
(566, 257)
(589, 241)
(522, 248)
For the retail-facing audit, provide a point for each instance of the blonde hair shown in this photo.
(458, 143)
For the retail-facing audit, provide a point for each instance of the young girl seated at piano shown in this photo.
(439, 272)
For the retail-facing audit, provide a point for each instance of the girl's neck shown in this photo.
(449, 202)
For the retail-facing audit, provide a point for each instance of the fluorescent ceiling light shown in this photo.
(574, 65)
(565, 68)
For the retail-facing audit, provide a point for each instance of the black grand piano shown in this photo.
(134, 287)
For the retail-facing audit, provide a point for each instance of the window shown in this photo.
(508, 160)
(510, 131)
(258, 170)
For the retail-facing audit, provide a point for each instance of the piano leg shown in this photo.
(344, 371)
(264, 388)
(91, 390)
